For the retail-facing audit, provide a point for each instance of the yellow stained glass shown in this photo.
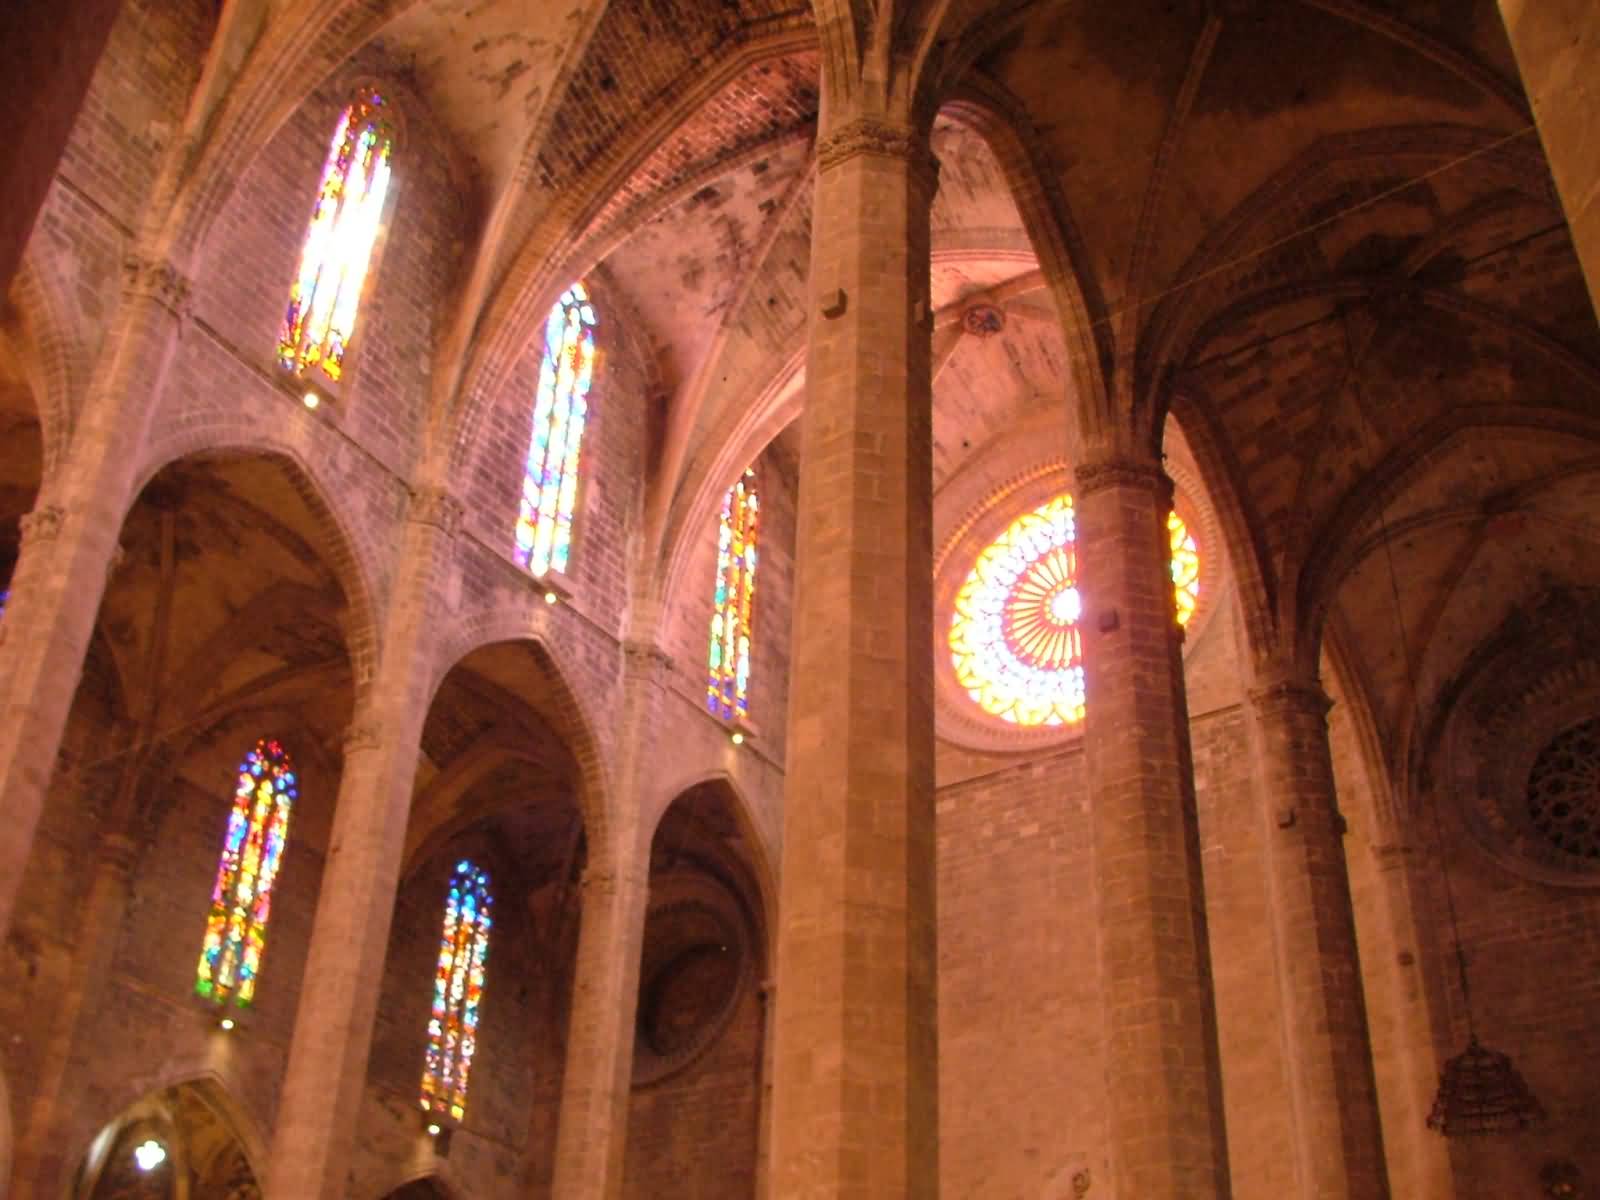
(1015, 641)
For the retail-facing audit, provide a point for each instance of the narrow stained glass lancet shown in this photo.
(560, 411)
(337, 254)
(728, 683)
(457, 992)
(241, 898)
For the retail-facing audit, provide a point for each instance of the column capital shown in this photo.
(119, 852)
(435, 506)
(43, 524)
(1099, 474)
(600, 881)
(882, 139)
(157, 279)
(362, 735)
(1289, 693)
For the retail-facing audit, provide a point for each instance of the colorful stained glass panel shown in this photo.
(457, 993)
(337, 254)
(1015, 640)
(241, 898)
(543, 540)
(733, 605)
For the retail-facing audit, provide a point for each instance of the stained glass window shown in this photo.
(241, 898)
(1185, 567)
(728, 685)
(560, 410)
(326, 293)
(457, 992)
(1015, 641)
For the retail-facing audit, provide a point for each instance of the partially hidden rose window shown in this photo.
(1564, 791)
(1015, 641)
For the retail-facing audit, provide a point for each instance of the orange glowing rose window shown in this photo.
(1015, 641)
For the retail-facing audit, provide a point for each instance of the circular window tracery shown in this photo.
(1015, 641)
(1564, 790)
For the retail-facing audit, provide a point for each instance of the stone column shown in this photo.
(48, 53)
(69, 543)
(1165, 1092)
(44, 1145)
(327, 1065)
(1338, 1132)
(764, 1093)
(1557, 44)
(592, 1131)
(855, 1099)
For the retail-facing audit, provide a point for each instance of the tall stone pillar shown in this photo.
(855, 1103)
(1557, 44)
(41, 1154)
(48, 52)
(327, 1064)
(1165, 1090)
(592, 1131)
(1334, 1095)
(69, 543)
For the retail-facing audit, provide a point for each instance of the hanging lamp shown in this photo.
(1480, 1090)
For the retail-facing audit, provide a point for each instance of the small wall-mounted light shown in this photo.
(433, 1129)
(149, 1154)
(226, 1024)
(737, 737)
(311, 400)
(552, 597)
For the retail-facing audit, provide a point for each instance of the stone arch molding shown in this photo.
(356, 570)
(1536, 677)
(571, 714)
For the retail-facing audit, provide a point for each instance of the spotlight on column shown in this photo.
(226, 1024)
(311, 400)
(737, 737)
(433, 1129)
(552, 598)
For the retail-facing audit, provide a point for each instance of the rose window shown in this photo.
(1564, 790)
(1015, 640)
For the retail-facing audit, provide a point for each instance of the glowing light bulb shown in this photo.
(226, 1024)
(737, 738)
(311, 399)
(433, 1130)
(551, 598)
(149, 1154)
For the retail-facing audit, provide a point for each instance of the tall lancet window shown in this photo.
(241, 898)
(326, 293)
(728, 681)
(560, 411)
(457, 992)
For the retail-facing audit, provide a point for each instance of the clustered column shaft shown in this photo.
(1339, 1151)
(1165, 1092)
(333, 1028)
(855, 1108)
(69, 545)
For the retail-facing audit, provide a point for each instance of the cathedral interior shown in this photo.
(713, 599)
